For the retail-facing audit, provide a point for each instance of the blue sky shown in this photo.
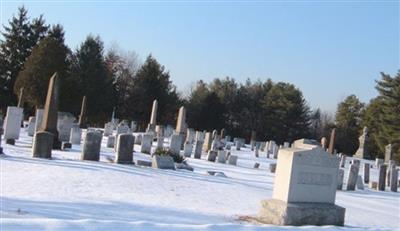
(328, 49)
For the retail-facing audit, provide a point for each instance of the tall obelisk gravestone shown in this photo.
(82, 116)
(153, 117)
(46, 138)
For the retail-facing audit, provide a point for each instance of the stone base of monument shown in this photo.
(42, 144)
(10, 141)
(278, 212)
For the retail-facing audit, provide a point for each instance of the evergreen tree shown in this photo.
(48, 57)
(348, 122)
(152, 82)
(95, 80)
(20, 36)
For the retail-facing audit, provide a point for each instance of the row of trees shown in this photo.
(31, 51)
(381, 115)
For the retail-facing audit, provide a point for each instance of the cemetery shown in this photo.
(109, 177)
(93, 138)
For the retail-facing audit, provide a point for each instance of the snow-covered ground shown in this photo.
(68, 194)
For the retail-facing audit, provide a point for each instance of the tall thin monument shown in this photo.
(82, 116)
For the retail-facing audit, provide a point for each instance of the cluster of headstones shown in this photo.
(387, 175)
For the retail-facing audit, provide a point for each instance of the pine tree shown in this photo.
(348, 121)
(48, 57)
(20, 36)
(95, 80)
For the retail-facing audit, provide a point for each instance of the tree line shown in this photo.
(31, 51)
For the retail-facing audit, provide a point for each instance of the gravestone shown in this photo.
(390, 165)
(232, 160)
(160, 142)
(382, 177)
(352, 177)
(124, 150)
(256, 152)
(222, 133)
(360, 184)
(147, 140)
(388, 153)
(50, 115)
(304, 190)
(343, 161)
(221, 158)
(366, 173)
(214, 134)
(332, 139)
(122, 128)
(286, 145)
(65, 122)
(175, 144)
(91, 146)
(133, 126)
(275, 151)
(237, 145)
(82, 116)
(191, 133)
(378, 162)
(200, 136)
(394, 179)
(180, 124)
(256, 165)
(39, 119)
(198, 147)
(12, 123)
(108, 129)
(163, 162)
(187, 149)
(207, 142)
(340, 179)
(42, 144)
(138, 139)
(362, 151)
(110, 141)
(212, 155)
(76, 134)
(31, 126)
(153, 116)
(324, 143)
(272, 167)
(160, 130)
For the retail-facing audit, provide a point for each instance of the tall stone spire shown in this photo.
(82, 116)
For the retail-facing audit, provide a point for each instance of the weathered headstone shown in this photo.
(272, 167)
(304, 193)
(198, 147)
(82, 116)
(222, 133)
(388, 153)
(382, 177)
(191, 133)
(39, 119)
(160, 142)
(331, 148)
(275, 151)
(180, 124)
(378, 162)
(352, 177)
(108, 129)
(200, 136)
(50, 115)
(133, 126)
(124, 150)
(221, 157)
(110, 141)
(207, 142)
(42, 144)
(163, 162)
(340, 179)
(362, 151)
(12, 123)
(175, 144)
(65, 122)
(237, 145)
(360, 183)
(147, 141)
(212, 155)
(366, 173)
(286, 145)
(122, 128)
(187, 149)
(138, 139)
(153, 116)
(324, 143)
(343, 161)
(31, 126)
(76, 134)
(232, 160)
(394, 179)
(91, 146)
